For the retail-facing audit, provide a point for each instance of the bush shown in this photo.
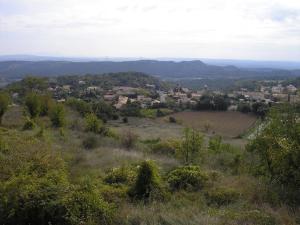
(222, 196)
(93, 124)
(122, 175)
(147, 185)
(57, 115)
(46, 104)
(172, 119)
(167, 147)
(29, 124)
(35, 188)
(191, 146)
(277, 150)
(80, 106)
(125, 120)
(33, 104)
(190, 178)
(128, 139)
(90, 142)
(86, 206)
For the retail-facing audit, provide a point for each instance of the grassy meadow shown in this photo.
(231, 194)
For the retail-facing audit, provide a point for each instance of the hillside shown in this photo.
(164, 69)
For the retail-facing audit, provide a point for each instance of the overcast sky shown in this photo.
(232, 29)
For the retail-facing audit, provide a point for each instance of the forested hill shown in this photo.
(184, 69)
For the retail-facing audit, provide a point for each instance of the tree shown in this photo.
(277, 147)
(57, 115)
(221, 103)
(244, 107)
(191, 145)
(4, 101)
(93, 124)
(260, 109)
(33, 104)
(205, 103)
(46, 104)
(147, 184)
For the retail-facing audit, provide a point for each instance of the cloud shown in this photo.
(151, 28)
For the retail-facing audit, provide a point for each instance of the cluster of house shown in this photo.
(267, 94)
(179, 95)
(119, 96)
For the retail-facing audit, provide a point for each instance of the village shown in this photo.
(151, 96)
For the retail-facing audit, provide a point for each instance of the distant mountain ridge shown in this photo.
(162, 69)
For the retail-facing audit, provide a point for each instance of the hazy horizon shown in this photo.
(257, 30)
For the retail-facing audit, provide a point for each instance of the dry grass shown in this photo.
(227, 124)
(148, 128)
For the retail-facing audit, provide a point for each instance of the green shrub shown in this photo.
(191, 148)
(189, 178)
(147, 185)
(33, 104)
(79, 105)
(167, 147)
(90, 142)
(121, 175)
(57, 115)
(114, 194)
(29, 124)
(35, 188)
(93, 124)
(86, 206)
(46, 104)
(222, 196)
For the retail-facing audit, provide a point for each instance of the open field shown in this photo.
(148, 128)
(227, 124)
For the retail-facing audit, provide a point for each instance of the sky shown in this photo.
(228, 29)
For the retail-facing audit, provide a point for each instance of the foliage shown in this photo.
(190, 178)
(57, 115)
(191, 146)
(147, 185)
(79, 105)
(90, 142)
(29, 124)
(244, 107)
(46, 104)
(104, 111)
(277, 147)
(85, 205)
(35, 188)
(167, 147)
(128, 139)
(121, 175)
(93, 124)
(131, 109)
(215, 144)
(260, 109)
(222, 196)
(4, 101)
(33, 104)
